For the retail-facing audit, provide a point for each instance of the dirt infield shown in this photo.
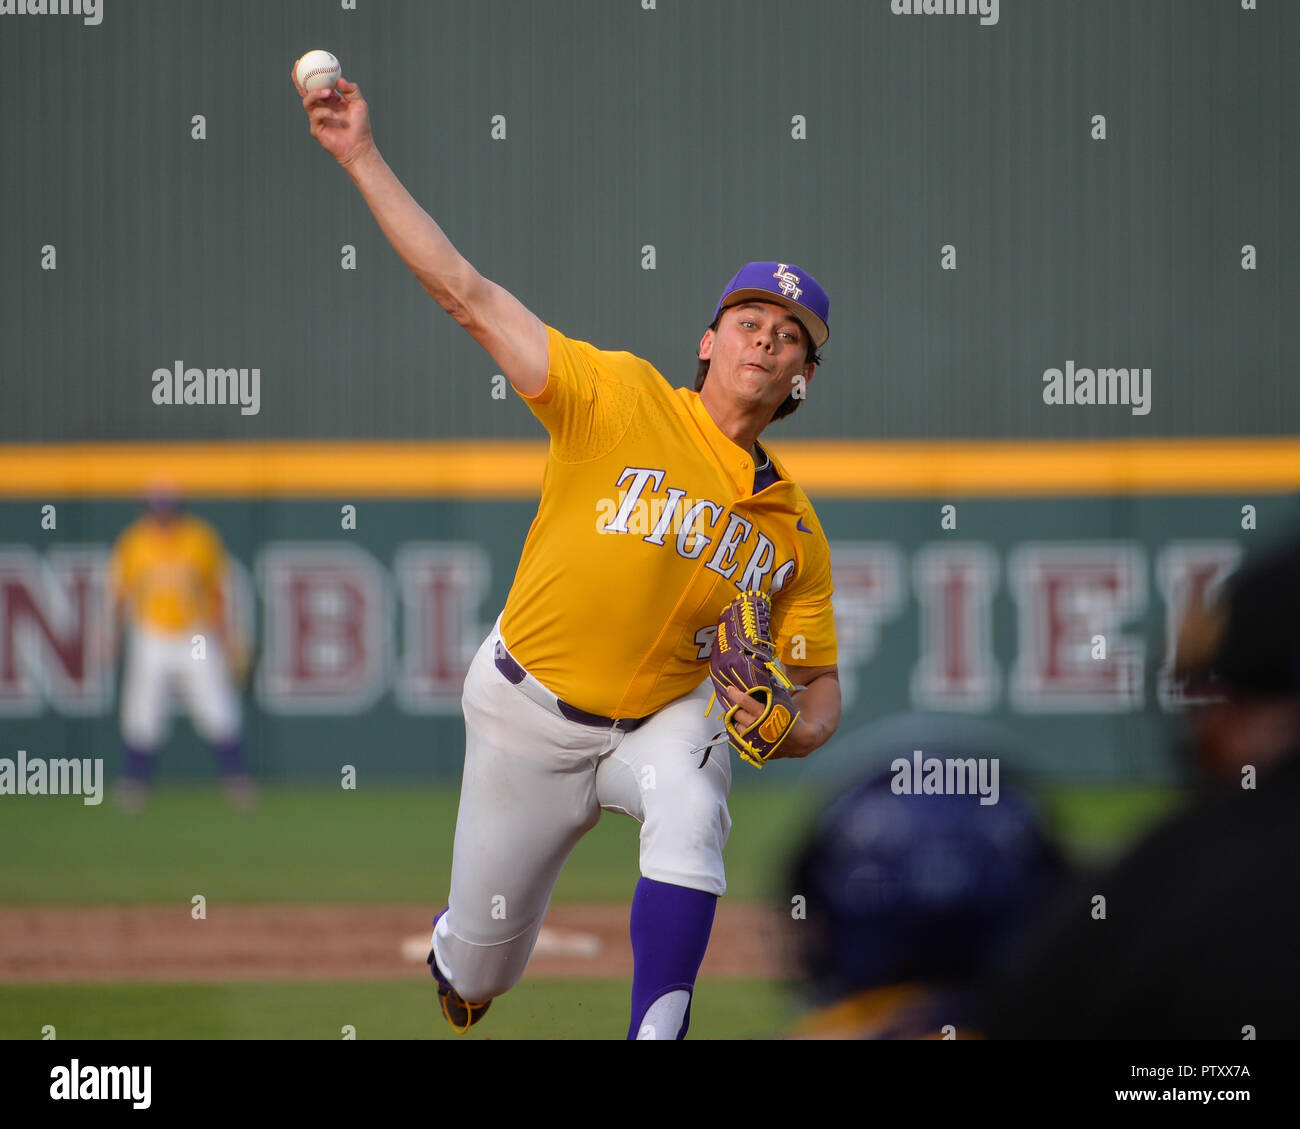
(330, 943)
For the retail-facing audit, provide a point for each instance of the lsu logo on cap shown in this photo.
(789, 281)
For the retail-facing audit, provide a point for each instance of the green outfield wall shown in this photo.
(612, 162)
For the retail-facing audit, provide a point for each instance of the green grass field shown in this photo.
(394, 846)
(375, 1009)
(389, 846)
(318, 846)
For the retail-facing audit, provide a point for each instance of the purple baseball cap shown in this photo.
(787, 285)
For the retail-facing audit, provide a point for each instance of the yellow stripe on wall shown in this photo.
(973, 468)
(480, 469)
(513, 468)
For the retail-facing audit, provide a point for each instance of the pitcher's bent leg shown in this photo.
(528, 794)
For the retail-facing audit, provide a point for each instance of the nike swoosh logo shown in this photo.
(800, 525)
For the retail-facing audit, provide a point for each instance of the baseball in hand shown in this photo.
(317, 70)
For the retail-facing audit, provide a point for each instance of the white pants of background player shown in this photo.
(159, 663)
(534, 783)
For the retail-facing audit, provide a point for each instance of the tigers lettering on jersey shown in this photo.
(647, 526)
(684, 517)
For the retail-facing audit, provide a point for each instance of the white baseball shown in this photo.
(317, 70)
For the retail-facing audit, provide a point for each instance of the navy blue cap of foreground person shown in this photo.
(918, 889)
(1245, 640)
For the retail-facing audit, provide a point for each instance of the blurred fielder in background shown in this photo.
(913, 899)
(1198, 933)
(168, 579)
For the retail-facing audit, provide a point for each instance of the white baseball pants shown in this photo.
(534, 783)
(157, 664)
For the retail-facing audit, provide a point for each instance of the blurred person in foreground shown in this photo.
(1202, 918)
(912, 896)
(168, 579)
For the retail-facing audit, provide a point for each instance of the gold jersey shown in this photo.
(648, 526)
(169, 574)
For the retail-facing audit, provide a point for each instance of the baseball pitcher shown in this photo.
(662, 522)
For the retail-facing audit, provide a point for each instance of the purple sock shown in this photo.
(230, 758)
(139, 764)
(670, 933)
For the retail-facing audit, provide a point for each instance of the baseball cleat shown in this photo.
(460, 1013)
(132, 796)
(456, 1010)
(240, 793)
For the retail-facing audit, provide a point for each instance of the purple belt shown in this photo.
(515, 674)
